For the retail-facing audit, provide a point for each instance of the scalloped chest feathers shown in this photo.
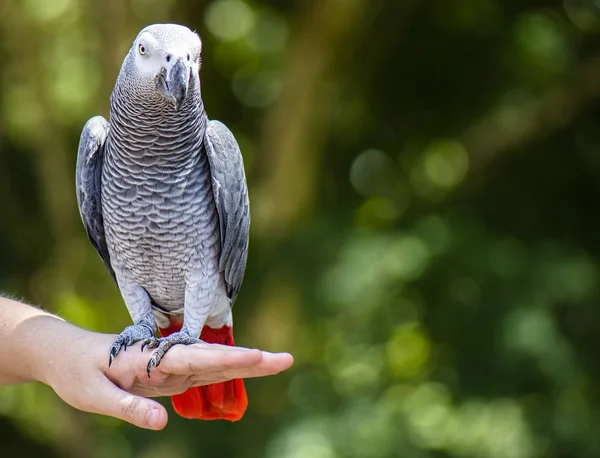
(160, 218)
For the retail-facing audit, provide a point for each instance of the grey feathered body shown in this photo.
(162, 193)
(157, 198)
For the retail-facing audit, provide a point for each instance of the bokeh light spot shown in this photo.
(446, 163)
(408, 351)
(428, 410)
(305, 439)
(379, 212)
(542, 39)
(585, 14)
(372, 173)
(270, 32)
(45, 10)
(76, 80)
(359, 367)
(407, 257)
(229, 20)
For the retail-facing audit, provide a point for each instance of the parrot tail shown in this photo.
(219, 401)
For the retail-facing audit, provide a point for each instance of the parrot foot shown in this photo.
(163, 345)
(129, 336)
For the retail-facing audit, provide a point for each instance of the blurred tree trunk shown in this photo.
(294, 130)
(516, 126)
(292, 142)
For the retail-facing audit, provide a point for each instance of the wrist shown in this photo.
(44, 342)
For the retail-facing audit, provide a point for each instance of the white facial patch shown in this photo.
(151, 61)
(162, 45)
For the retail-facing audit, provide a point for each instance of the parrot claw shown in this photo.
(150, 342)
(129, 336)
(163, 345)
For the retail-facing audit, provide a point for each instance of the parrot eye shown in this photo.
(142, 49)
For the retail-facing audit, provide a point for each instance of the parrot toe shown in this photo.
(150, 342)
(163, 345)
(129, 336)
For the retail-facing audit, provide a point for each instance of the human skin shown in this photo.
(38, 346)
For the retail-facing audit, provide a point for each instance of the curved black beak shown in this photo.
(172, 83)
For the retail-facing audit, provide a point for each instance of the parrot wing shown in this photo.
(88, 182)
(231, 198)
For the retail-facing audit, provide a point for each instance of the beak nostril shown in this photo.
(169, 58)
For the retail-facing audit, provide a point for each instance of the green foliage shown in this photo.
(423, 178)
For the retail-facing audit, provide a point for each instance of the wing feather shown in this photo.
(231, 197)
(88, 183)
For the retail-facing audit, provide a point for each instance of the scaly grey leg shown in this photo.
(138, 304)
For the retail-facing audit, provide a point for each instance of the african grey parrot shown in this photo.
(162, 195)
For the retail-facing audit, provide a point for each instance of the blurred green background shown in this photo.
(424, 178)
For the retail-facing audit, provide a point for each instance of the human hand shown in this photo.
(82, 378)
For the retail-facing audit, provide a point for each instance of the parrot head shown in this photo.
(164, 61)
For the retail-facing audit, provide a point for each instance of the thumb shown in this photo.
(139, 411)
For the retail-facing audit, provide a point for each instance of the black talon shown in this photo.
(152, 363)
(113, 352)
(150, 342)
(149, 367)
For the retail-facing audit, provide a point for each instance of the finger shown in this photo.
(197, 359)
(215, 346)
(270, 364)
(112, 401)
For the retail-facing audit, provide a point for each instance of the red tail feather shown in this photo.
(225, 400)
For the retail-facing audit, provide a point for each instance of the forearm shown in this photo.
(28, 336)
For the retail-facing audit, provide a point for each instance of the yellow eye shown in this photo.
(142, 49)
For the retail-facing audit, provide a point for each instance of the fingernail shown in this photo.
(152, 418)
